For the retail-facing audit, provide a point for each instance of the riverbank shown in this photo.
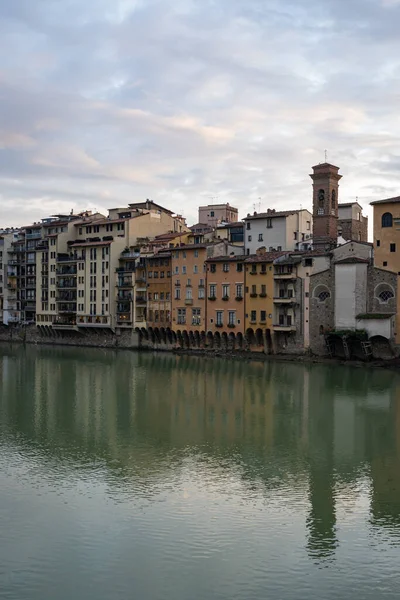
(128, 340)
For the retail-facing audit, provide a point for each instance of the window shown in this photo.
(308, 262)
(239, 290)
(385, 263)
(239, 267)
(387, 220)
(253, 316)
(358, 216)
(168, 295)
(253, 269)
(184, 270)
(196, 254)
(279, 248)
(155, 295)
(263, 290)
(248, 225)
(213, 291)
(201, 293)
(269, 223)
(181, 316)
(201, 283)
(176, 270)
(260, 237)
(155, 274)
(195, 269)
(308, 225)
(385, 296)
(177, 294)
(225, 291)
(196, 319)
(149, 296)
(263, 316)
(162, 274)
(212, 213)
(392, 247)
(220, 317)
(189, 294)
(324, 296)
(254, 290)
(225, 268)
(263, 268)
(321, 197)
(184, 254)
(249, 238)
(120, 226)
(231, 317)
(378, 243)
(213, 268)
(96, 229)
(333, 198)
(295, 235)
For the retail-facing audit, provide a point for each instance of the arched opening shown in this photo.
(163, 335)
(333, 198)
(145, 333)
(321, 198)
(268, 339)
(240, 340)
(169, 335)
(186, 340)
(203, 339)
(321, 293)
(210, 339)
(384, 293)
(387, 220)
(179, 338)
(224, 340)
(191, 339)
(217, 339)
(197, 340)
(250, 337)
(174, 337)
(232, 341)
(260, 337)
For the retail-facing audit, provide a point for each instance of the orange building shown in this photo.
(225, 294)
(189, 287)
(159, 290)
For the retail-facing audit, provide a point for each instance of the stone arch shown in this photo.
(197, 339)
(169, 335)
(186, 340)
(333, 198)
(203, 339)
(217, 339)
(192, 340)
(251, 338)
(163, 335)
(224, 340)
(381, 347)
(384, 292)
(240, 340)
(321, 293)
(145, 333)
(152, 335)
(174, 337)
(157, 335)
(268, 340)
(210, 339)
(232, 341)
(179, 338)
(260, 337)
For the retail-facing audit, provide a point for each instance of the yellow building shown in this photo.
(387, 240)
(259, 298)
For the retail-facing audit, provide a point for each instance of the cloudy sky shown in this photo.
(104, 102)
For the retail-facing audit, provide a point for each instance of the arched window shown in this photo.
(387, 220)
(385, 296)
(323, 296)
(321, 197)
(333, 198)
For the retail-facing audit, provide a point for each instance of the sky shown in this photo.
(189, 102)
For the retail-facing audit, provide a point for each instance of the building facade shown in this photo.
(352, 225)
(225, 294)
(325, 205)
(213, 214)
(158, 271)
(277, 230)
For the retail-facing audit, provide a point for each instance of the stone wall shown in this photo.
(322, 314)
(353, 229)
(378, 280)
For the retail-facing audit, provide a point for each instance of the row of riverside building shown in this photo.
(290, 281)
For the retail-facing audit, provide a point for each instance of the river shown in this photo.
(144, 476)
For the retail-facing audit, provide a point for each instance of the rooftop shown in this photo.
(272, 213)
(266, 257)
(347, 204)
(236, 258)
(387, 201)
(352, 260)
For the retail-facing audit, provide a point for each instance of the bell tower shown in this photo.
(325, 205)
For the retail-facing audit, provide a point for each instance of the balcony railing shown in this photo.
(66, 298)
(33, 236)
(140, 299)
(67, 308)
(66, 271)
(66, 284)
(94, 321)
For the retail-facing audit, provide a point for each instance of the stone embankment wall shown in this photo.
(166, 342)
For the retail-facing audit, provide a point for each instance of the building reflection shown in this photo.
(275, 424)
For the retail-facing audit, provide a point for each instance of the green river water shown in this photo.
(149, 477)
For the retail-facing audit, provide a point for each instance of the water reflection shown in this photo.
(327, 435)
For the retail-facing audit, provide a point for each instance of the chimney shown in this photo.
(261, 251)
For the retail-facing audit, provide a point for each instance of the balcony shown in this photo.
(141, 300)
(34, 235)
(65, 324)
(13, 262)
(285, 274)
(31, 260)
(284, 328)
(67, 259)
(126, 255)
(66, 271)
(125, 282)
(140, 279)
(284, 299)
(66, 298)
(189, 301)
(94, 321)
(123, 309)
(67, 308)
(124, 297)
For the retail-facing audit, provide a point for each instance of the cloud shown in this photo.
(105, 103)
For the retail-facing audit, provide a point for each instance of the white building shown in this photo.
(277, 230)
